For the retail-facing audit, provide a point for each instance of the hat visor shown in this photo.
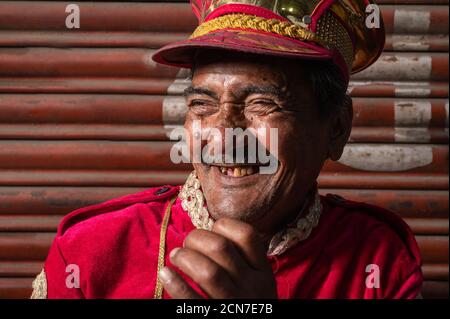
(181, 54)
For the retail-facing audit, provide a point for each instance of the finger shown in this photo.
(218, 248)
(212, 278)
(246, 238)
(175, 286)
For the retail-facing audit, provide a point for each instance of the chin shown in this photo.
(238, 192)
(245, 205)
(229, 208)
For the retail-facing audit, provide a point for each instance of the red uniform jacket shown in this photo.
(115, 247)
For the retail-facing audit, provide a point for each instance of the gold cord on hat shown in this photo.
(244, 21)
(330, 33)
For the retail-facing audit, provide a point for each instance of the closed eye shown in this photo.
(262, 106)
(202, 107)
(197, 102)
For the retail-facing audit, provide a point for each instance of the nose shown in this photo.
(231, 115)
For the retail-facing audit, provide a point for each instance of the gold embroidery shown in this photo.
(39, 286)
(244, 21)
(330, 33)
(162, 248)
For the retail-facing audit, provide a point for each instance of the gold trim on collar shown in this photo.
(40, 286)
(193, 201)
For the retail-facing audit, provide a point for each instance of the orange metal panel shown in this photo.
(113, 16)
(132, 62)
(435, 290)
(399, 89)
(81, 62)
(407, 203)
(39, 15)
(55, 200)
(20, 268)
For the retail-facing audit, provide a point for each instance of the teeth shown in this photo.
(237, 171)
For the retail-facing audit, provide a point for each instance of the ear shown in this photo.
(340, 129)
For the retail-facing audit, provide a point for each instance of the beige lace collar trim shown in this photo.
(193, 201)
(39, 286)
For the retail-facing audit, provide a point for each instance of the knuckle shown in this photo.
(220, 223)
(212, 274)
(247, 234)
(193, 237)
(189, 240)
(176, 254)
(219, 245)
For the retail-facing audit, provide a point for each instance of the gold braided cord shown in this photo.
(162, 248)
(245, 21)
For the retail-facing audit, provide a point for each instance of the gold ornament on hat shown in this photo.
(340, 27)
(284, 8)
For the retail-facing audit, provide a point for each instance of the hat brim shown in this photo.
(181, 54)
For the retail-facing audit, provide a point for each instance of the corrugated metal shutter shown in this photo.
(84, 116)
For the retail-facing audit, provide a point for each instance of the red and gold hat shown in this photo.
(307, 29)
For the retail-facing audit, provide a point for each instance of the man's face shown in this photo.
(246, 93)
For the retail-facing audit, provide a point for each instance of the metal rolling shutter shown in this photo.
(84, 116)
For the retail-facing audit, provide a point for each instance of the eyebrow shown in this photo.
(201, 91)
(245, 91)
(267, 89)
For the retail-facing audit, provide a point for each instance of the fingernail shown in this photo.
(173, 252)
(165, 275)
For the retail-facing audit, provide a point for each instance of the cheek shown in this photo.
(192, 126)
(198, 135)
(188, 133)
